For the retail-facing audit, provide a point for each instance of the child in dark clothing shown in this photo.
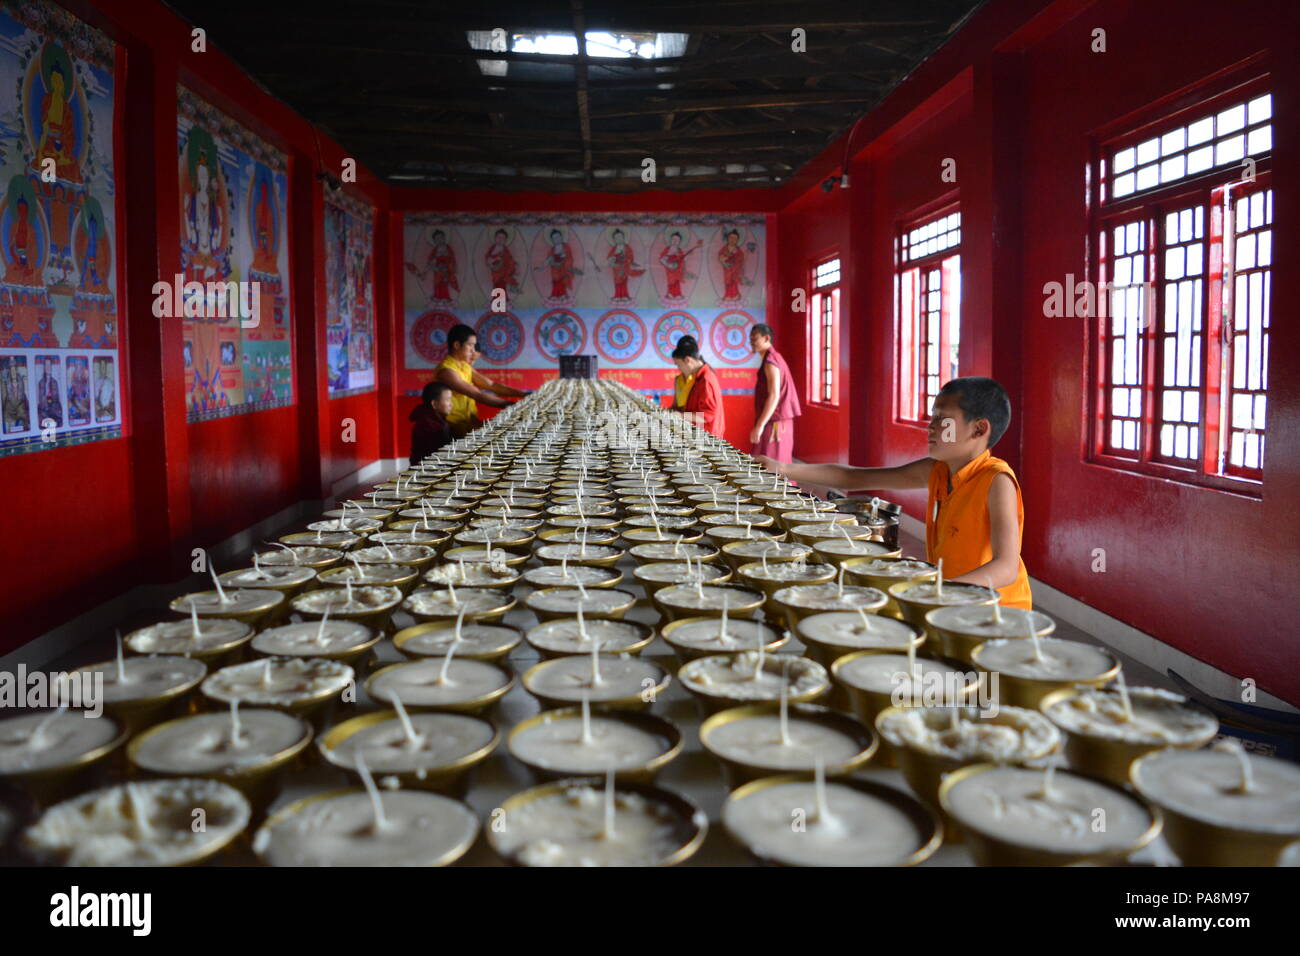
(429, 427)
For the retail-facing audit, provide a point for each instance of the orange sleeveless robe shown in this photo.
(957, 526)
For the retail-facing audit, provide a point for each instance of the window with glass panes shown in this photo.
(824, 333)
(1183, 253)
(929, 311)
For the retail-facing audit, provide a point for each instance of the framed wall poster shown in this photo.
(349, 295)
(233, 293)
(58, 231)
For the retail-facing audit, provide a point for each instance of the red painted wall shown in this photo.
(1212, 573)
(1013, 99)
(111, 514)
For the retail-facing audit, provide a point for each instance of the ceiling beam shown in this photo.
(580, 79)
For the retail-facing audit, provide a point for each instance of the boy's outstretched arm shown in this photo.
(1003, 569)
(915, 474)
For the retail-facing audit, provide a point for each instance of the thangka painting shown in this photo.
(349, 295)
(60, 366)
(622, 288)
(233, 294)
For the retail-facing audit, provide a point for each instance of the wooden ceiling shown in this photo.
(398, 84)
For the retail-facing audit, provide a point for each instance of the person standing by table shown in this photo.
(704, 403)
(776, 402)
(468, 386)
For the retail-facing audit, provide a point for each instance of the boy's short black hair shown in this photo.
(761, 328)
(979, 397)
(459, 334)
(687, 347)
(433, 391)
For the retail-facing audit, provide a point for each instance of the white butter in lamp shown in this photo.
(616, 678)
(830, 597)
(1060, 660)
(451, 601)
(982, 621)
(390, 553)
(215, 743)
(740, 533)
(44, 741)
(429, 537)
(577, 827)
(1207, 785)
(756, 741)
(1154, 717)
(278, 575)
(438, 740)
(312, 638)
(347, 600)
(142, 677)
(353, 513)
(852, 547)
(710, 634)
(469, 574)
(382, 575)
(474, 639)
(789, 571)
(1015, 735)
(900, 568)
(951, 594)
(236, 601)
(561, 745)
(706, 598)
(566, 636)
(882, 673)
(299, 555)
(728, 519)
(671, 551)
(278, 681)
(853, 828)
(574, 552)
(747, 677)
(339, 540)
(340, 830)
(147, 823)
(1014, 805)
(755, 550)
(568, 600)
(677, 572)
(186, 637)
(437, 682)
(555, 575)
(351, 523)
(857, 630)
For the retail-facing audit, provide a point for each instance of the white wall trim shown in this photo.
(1142, 647)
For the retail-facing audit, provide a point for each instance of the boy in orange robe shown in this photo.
(974, 515)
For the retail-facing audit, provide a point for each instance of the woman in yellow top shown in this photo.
(974, 516)
(468, 386)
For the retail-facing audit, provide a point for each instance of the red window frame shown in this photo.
(926, 328)
(824, 336)
(1215, 192)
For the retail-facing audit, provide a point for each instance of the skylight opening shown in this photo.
(600, 43)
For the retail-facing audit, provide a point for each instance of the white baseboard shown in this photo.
(54, 644)
(1142, 647)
